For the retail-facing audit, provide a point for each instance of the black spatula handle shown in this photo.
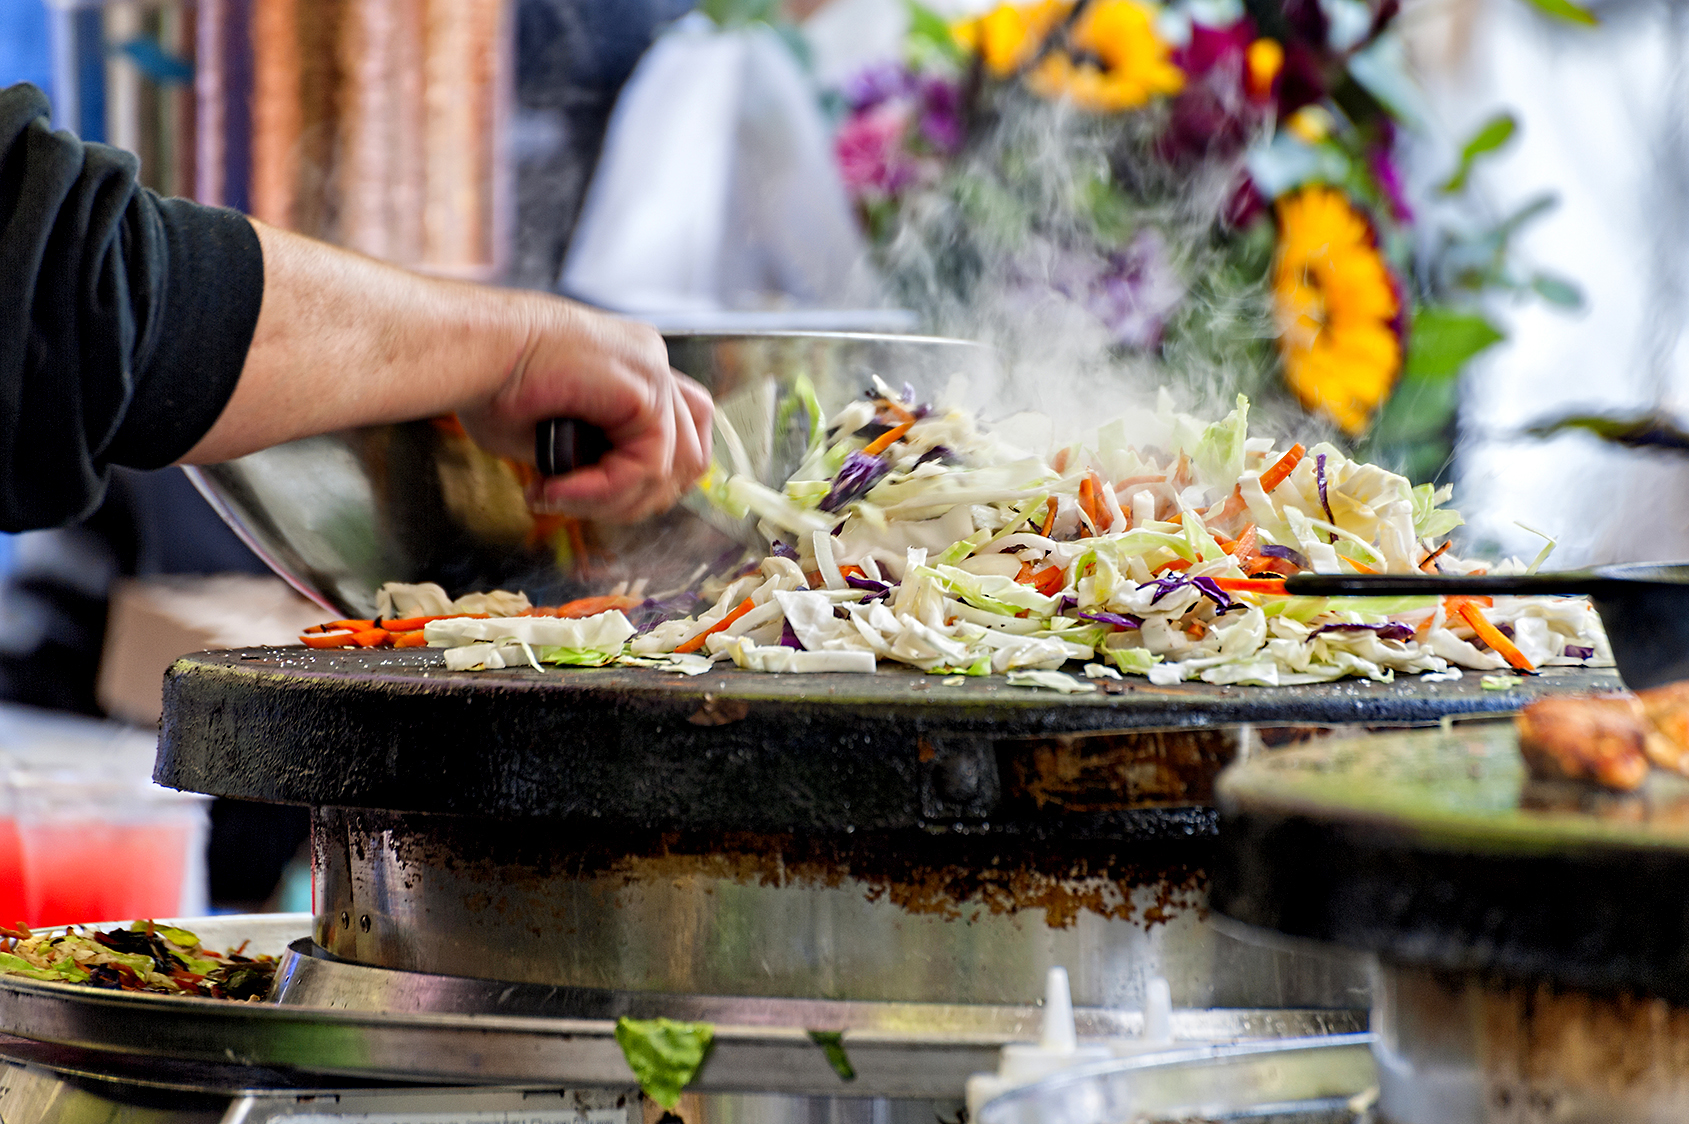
(562, 445)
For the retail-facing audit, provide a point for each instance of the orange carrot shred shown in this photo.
(1049, 517)
(414, 639)
(369, 637)
(1177, 564)
(1049, 580)
(1360, 567)
(884, 441)
(1492, 636)
(1430, 563)
(697, 641)
(896, 410)
(340, 639)
(1276, 475)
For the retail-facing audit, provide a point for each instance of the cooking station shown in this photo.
(506, 862)
(861, 882)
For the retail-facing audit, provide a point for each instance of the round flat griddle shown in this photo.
(1435, 849)
(394, 730)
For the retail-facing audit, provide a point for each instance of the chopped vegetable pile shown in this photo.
(910, 535)
(143, 957)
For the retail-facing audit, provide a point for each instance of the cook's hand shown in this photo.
(614, 374)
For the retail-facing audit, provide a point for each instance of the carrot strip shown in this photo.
(1091, 499)
(592, 606)
(1430, 563)
(1276, 475)
(697, 641)
(1049, 517)
(1059, 461)
(896, 410)
(1025, 575)
(1492, 636)
(408, 624)
(1273, 587)
(369, 637)
(414, 639)
(1245, 546)
(848, 571)
(1049, 581)
(1197, 629)
(1177, 519)
(355, 626)
(884, 441)
(1360, 567)
(1176, 564)
(1453, 602)
(342, 639)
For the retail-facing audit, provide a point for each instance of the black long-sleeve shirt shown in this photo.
(124, 318)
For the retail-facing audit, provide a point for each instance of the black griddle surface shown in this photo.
(1436, 849)
(739, 750)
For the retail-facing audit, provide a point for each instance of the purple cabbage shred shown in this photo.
(1389, 630)
(876, 589)
(1319, 475)
(789, 637)
(1118, 620)
(1068, 601)
(781, 550)
(1295, 557)
(1205, 586)
(859, 473)
(936, 453)
(1578, 652)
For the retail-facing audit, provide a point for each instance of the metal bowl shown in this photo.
(340, 514)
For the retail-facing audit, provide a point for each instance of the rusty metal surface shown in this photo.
(742, 751)
(924, 916)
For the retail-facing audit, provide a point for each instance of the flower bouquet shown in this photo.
(1195, 195)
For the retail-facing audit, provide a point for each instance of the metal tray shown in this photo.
(897, 1050)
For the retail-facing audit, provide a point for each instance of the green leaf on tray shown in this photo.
(832, 1045)
(1444, 340)
(1491, 135)
(664, 1055)
(179, 937)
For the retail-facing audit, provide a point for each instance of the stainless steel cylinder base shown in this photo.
(944, 918)
(1459, 1050)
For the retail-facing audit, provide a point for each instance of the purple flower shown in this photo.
(883, 82)
(1389, 178)
(1132, 291)
(1389, 630)
(859, 473)
(870, 153)
(941, 115)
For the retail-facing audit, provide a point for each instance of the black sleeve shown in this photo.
(124, 318)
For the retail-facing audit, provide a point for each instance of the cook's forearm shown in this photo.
(343, 340)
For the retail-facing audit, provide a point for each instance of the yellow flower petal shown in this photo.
(1336, 308)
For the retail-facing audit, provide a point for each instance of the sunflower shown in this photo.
(1009, 35)
(1336, 307)
(1114, 61)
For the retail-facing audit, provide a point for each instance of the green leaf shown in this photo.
(1490, 136)
(1557, 291)
(179, 937)
(832, 1044)
(1567, 11)
(577, 657)
(664, 1055)
(1443, 340)
(930, 30)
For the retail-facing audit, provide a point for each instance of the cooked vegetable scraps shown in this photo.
(144, 957)
(910, 535)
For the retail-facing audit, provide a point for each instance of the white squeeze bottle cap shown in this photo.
(1058, 1048)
